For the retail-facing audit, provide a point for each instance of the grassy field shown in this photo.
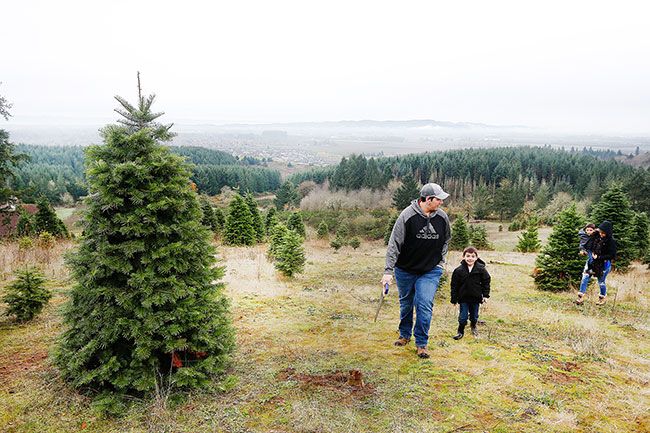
(540, 364)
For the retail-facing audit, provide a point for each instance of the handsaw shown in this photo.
(384, 292)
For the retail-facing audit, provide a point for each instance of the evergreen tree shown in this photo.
(295, 223)
(323, 230)
(46, 220)
(529, 239)
(146, 303)
(406, 193)
(389, 227)
(209, 218)
(258, 222)
(355, 243)
(460, 234)
(478, 237)
(640, 235)
(270, 220)
(336, 243)
(27, 296)
(9, 160)
(614, 206)
(287, 196)
(219, 217)
(277, 237)
(482, 202)
(239, 228)
(542, 196)
(559, 265)
(290, 254)
(25, 225)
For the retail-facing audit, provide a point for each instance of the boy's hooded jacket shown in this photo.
(470, 287)
(605, 247)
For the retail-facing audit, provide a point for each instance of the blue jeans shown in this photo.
(416, 291)
(468, 309)
(601, 280)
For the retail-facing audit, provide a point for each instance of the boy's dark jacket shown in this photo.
(605, 247)
(469, 287)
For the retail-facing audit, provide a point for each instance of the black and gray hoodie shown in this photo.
(418, 243)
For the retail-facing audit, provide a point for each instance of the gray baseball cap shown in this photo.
(433, 189)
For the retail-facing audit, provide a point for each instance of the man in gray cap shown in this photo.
(416, 255)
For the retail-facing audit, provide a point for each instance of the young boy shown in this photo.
(470, 287)
(585, 235)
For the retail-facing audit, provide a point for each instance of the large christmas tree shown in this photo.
(145, 304)
(559, 265)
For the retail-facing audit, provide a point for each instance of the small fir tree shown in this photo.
(27, 295)
(209, 218)
(258, 222)
(295, 223)
(323, 230)
(389, 227)
(479, 238)
(270, 220)
(614, 206)
(640, 235)
(277, 237)
(406, 193)
(287, 196)
(46, 220)
(290, 255)
(25, 225)
(529, 239)
(219, 217)
(355, 243)
(460, 235)
(343, 231)
(336, 243)
(146, 303)
(559, 265)
(239, 223)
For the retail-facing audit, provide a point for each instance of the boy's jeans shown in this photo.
(601, 280)
(416, 291)
(468, 309)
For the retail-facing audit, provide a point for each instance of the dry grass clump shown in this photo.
(631, 286)
(48, 257)
(321, 198)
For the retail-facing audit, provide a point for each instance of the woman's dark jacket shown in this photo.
(469, 287)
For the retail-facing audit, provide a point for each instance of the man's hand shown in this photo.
(386, 279)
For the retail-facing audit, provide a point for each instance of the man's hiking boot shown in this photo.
(461, 332)
(422, 352)
(601, 300)
(474, 330)
(402, 341)
(580, 299)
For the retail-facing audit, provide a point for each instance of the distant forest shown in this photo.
(516, 172)
(57, 172)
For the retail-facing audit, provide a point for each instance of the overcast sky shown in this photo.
(579, 66)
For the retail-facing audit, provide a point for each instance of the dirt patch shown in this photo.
(558, 372)
(564, 366)
(351, 381)
(22, 363)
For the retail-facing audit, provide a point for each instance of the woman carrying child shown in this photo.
(602, 249)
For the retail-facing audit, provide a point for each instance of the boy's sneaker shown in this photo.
(601, 300)
(580, 299)
(402, 341)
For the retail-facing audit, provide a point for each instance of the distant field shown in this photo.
(540, 364)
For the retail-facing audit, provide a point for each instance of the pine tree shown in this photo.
(209, 218)
(27, 296)
(640, 235)
(336, 243)
(220, 218)
(482, 202)
(270, 220)
(239, 228)
(389, 227)
(323, 230)
(614, 206)
(406, 193)
(295, 223)
(355, 243)
(559, 265)
(460, 234)
(258, 222)
(277, 237)
(146, 303)
(290, 255)
(287, 196)
(529, 239)
(478, 237)
(46, 220)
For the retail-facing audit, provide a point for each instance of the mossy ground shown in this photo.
(540, 364)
